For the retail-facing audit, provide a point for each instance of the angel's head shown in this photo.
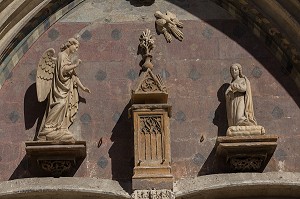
(72, 44)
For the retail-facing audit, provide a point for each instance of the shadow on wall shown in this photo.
(121, 151)
(33, 109)
(211, 165)
(22, 171)
(220, 119)
(28, 168)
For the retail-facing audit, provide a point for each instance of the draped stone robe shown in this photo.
(62, 103)
(239, 103)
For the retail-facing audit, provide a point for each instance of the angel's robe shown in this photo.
(62, 103)
(239, 104)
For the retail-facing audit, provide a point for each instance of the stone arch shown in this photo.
(182, 118)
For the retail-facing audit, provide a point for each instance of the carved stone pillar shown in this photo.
(151, 113)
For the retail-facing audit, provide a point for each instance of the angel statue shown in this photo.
(168, 24)
(57, 81)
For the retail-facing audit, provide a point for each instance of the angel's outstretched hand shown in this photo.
(86, 90)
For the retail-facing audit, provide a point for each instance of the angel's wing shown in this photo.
(44, 74)
(174, 19)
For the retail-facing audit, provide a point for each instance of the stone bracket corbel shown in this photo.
(55, 158)
(245, 153)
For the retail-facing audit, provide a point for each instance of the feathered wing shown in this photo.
(167, 35)
(176, 32)
(44, 74)
(174, 19)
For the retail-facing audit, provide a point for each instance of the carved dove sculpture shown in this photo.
(168, 24)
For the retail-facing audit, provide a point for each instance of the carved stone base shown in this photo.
(149, 177)
(55, 159)
(163, 181)
(245, 130)
(56, 167)
(153, 194)
(246, 153)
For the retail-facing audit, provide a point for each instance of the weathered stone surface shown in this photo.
(240, 185)
(236, 185)
(76, 188)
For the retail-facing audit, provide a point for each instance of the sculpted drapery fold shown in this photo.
(62, 95)
(239, 103)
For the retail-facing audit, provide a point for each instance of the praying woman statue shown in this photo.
(239, 105)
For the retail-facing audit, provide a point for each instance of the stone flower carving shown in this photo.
(147, 45)
(239, 105)
(169, 25)
(58, 82)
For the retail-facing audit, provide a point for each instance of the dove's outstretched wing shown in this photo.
(44, 74)
(174, 19)
(167, 35)
(176, 32)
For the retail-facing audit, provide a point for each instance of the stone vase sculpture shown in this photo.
(147, 45)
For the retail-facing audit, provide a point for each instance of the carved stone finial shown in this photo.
(147, 45)
(168, 24)
(57, 82)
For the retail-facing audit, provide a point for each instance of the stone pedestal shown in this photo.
(246, 153)
(245, 130)
(55, 159)
(152, 153)
(152, 146)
